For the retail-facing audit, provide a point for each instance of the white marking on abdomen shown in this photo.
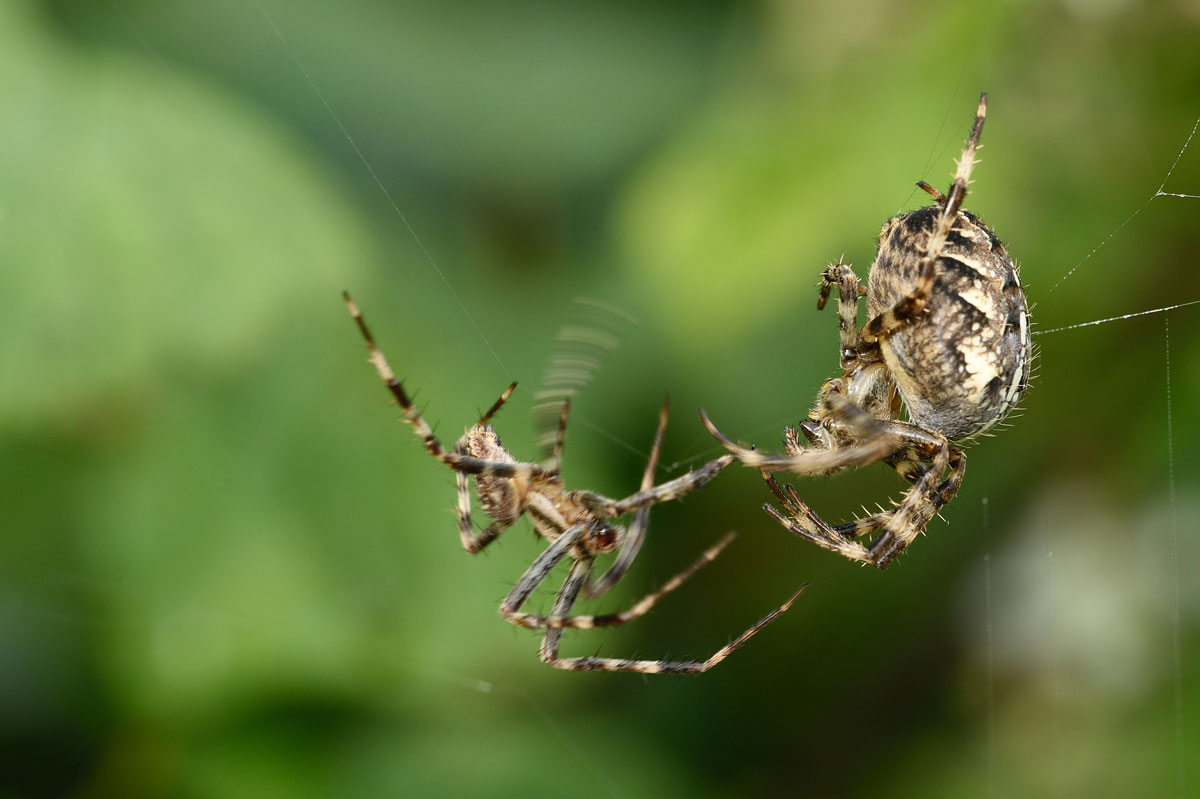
(978, 298)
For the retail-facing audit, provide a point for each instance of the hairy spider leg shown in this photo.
(900, 526)
(842, 275)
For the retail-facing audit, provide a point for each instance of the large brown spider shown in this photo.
(948, 334)
(575, 523)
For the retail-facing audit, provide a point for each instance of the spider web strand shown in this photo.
(1159, 192)
(1116, 318)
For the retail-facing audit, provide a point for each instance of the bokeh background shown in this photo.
(227, 570)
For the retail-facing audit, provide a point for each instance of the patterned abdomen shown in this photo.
(963, 364)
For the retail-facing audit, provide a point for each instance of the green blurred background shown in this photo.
(227, 570)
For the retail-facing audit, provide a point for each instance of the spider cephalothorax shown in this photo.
(575, 525)
(948, 338)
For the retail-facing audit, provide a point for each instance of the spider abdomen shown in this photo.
(962, 365)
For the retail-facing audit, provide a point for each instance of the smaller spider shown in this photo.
(575, 523)
(948, 337)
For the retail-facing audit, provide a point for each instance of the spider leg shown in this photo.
(911, 305)
(474, 542)
(639, 608)
(913, 513)
(842, 276)
(607, 508)
(454, 460)
(900, 526)
(811, 527)
(920, 505)
(636, 534)
(931, 191)
(948, 490)
(567, 595)
(553, 464)
(539, 570)
(497, 405)
(815, 525)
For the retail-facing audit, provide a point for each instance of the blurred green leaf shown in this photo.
(152, 225)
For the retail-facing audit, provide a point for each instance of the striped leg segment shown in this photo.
(424, 432)
(911, 305)
(497, 405)
(411, 414)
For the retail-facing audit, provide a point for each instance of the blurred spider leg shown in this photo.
(641, 518)
(812, 462)
(909, 307)
(566, 599)
(553, 464)
(639, 608)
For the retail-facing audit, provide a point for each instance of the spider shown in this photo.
(948, 335)
(575, 523)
